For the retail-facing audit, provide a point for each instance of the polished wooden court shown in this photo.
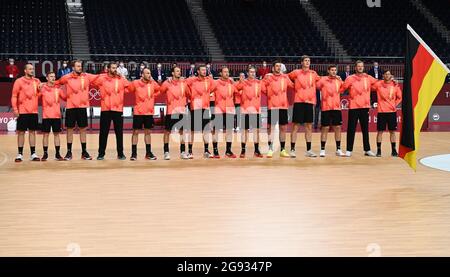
(329, 206)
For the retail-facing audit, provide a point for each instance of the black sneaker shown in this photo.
(85, 156)
(394, 153)
(121, 157)
(150, 156)
(44, 157)
(58, 157)
(100, 157)
(378, 153)
(133, 157)
(68, 156)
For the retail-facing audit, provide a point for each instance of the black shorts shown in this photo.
(76, 116)
(389, 119)
(303, 113)
(174, 120)
(145, 121)
(223, 121)
(279, 116)
(250, 121)
(200, 118)
(27, 121)
(51, 124)
(331, 118)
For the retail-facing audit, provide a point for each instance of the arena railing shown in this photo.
(132, 61)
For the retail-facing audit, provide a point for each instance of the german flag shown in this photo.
(424, 77)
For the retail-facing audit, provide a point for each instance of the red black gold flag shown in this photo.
(424, 77)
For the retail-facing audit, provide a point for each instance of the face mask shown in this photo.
(142, 66)
(192, 66)
(159, 66)
(64, 65)
(121, 65)
(264, 64)
(11, 63)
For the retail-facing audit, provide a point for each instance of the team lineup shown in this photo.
(196, 92)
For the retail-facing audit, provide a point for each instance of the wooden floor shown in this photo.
(254, 207)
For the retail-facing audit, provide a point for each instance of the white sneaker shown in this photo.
(339, 152)
(347, 154)
(19, 158)
(166, 156)
(310, 154)
(322, 153)
(34, 157)
(270, 153)
(369, 154)
(190, 156)
(184, 156)
(292, 153)
(207, 155)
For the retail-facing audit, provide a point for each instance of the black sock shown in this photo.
(393, 146)
(338, 144)
(308, 145)
(190, 148)
(256, 147)
(166, 147)
(292, 145)
(206, 147)
(148, 148)
(228, 147)
(182, 147)
(134, 149)
(32, 150)
(379, 145)
(322, 145)
(242, 147)
(270, 145)
(282, 144)
(69, 147)
(57, 149)
(20, 150)
(83, 147)
(45, 149)
(214, 146)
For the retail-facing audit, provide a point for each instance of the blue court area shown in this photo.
(441, 162)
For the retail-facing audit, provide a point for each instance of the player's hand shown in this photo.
(241, 78)
(16, 114)
(338, 77)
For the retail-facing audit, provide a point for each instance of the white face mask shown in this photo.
(264, 64)
(11, 63)
(142, 66)
(64, 65)
(159, 66)
(121, 65)
(208, 66)
(192, 66)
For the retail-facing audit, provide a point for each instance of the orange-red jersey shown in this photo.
(389, 96)
(176, 92)
(330, 92)
(144, 93)
(359, 86)
(25, 96)
(51, 101)
(112, 90)
(77, 88)
(224, 91)
(200, 89)
(251, 95)
(276, 89)
(305, 85)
